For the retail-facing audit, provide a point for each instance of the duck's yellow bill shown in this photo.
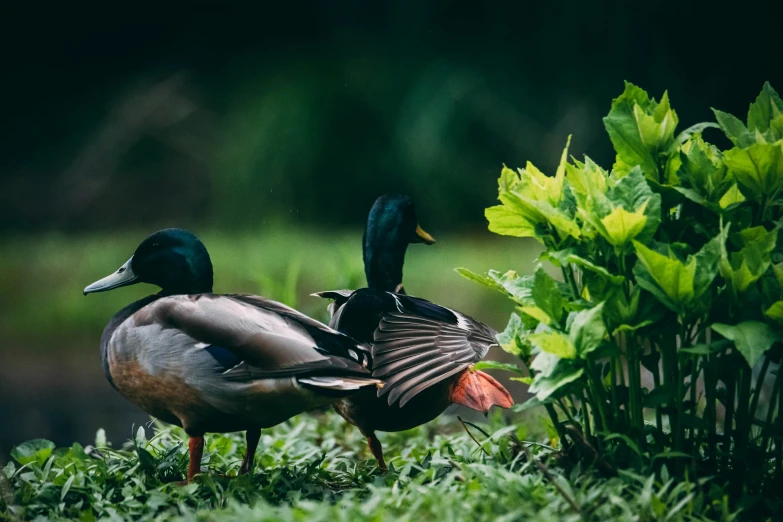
(425, 237)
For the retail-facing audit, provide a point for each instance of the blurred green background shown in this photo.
(270, 129)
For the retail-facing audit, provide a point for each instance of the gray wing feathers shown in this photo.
(412, 353)
(270, 338)
(338, 383)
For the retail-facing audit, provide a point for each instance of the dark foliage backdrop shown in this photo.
(139, 113)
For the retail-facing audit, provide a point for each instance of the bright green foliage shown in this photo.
(641, 130)
(670, 263)
(758, 168)
(743, 268)
(37, 451)
(536, 203)
(675, 283)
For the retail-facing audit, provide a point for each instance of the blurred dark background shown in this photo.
(269, 129)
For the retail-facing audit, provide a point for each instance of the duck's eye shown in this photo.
(121, 270)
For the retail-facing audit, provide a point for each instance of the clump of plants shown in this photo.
(653, 349)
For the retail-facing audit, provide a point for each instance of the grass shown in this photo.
(316, 467)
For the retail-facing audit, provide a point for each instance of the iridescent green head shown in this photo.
(173, 259)
(391, 226)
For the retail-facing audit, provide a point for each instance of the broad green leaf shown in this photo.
(734, 129)
(554, 343)
(697, 128)
(621, 226)
(758, 167)
(37, 450)
(504, 222)
(743, 268)
(508, 179)
(706, 349)
(732, 196)
(696, 198)
(552, 374)
(752, 338)
(707, 264)
(627, 210)
(672, 277)
(640, 129)
(481, 278)
(629, 315)
(536, 313)
(775, 312)
(587, 330)
(559, 258)
(495, 365)
(518, 288)
(633, 192)
(540, 212)
(777, 270)
(592, 267)
(703, 169)
(547, 296)
(510, 339)
(586, 180)
(764, 111)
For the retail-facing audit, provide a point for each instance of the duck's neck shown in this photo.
(189, 276)
(383, 263)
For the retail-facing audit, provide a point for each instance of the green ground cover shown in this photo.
(316, 467)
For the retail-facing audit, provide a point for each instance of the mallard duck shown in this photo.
(423, 352)
(218, 363)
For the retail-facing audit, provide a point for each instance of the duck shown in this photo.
(423, 352)
(214, 363)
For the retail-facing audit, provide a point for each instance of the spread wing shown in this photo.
(250, 337)
(421, 344)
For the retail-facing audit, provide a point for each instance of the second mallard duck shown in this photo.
(423, 352)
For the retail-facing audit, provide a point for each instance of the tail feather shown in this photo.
(340, 383)
(479, 391)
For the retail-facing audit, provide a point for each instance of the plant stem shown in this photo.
(657, 382)
(568, 275)
(598, 396)
(565, 410)
(757, 390)
(634, 383)
(550, 409)
(742, 425)
(778, 445)
(694, 379)
(671, 377)
(728, 421)
(585, 414)
(613, 371)
(710, 410)
(767, 430)
(758, 219)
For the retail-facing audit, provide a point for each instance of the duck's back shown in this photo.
(227, 362)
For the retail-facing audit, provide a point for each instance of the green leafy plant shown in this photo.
(653, 349)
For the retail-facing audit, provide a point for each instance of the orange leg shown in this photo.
(377, 451)
(252, 437)
(196, 446)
